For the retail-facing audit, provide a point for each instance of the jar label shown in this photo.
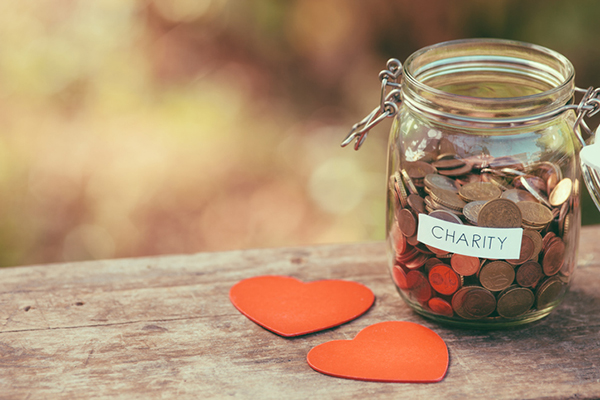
(476, 241)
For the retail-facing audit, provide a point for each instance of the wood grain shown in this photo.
(163, 327)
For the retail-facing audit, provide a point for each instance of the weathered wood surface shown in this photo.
(163, 327)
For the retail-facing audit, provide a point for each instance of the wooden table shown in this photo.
(163, 327)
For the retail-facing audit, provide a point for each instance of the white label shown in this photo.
(590, 155)
(495, 243)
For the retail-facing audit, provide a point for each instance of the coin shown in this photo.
(443, 279)
(397, 239)
(399, 277)
(538, 243)
(479, 191)
(535, 213)
(400, 190)
(471, 210)
(417, 203)
(419, 169)
(419, 287)
(561, 193)
(409, 182)
(549, 292)
(432, 205)
(407, 222)
(531, 186)
(496, 275)
(499, 213)
(514, 301)
(416, 261)
(447, 198)
(527, 249)
(448, 163)
(518, 195)
(465, 169)
(554, 257)
(430, 263)
(440, 182)
(529, 274)
(473, 302)
(446, 216)
(465, 265)
(440, 306)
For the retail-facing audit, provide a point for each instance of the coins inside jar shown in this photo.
(486, 192)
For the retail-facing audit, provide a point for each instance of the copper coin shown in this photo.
(408, 254)
(496, 275)
(535, 213)
(529, 274)
(413, 240)
(448, 163)
(440, 306)
(456, 171)
(515, 301)
(465, 265)
(399, 277)
(398, 239)
(549, 292)
(561, 193)
(527, 249)
(407, 222)
(566, 224)
(562, 216)
(518, 195)
(419, 169)
(431, 205)
(471, 210)
(499, 213)
(400, 190)
(443, 279)
(554, 257)
(438, 252)
(473, 302)
(446, 216)
(417, 203)
(430, 263)
(440, 182)
(548, 237)
(479, 191)
(419, 287)
(497, 181)
(532, 187)
(409, 182)
(447, 198)
(538, 242)
(416, 261)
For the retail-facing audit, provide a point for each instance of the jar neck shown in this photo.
(487, 83)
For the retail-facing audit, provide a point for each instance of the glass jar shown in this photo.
(483, 213)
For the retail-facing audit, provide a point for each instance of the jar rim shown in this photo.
(549, 73)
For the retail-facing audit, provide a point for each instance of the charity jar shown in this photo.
(483, 179)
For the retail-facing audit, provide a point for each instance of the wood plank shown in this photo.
(164, 327)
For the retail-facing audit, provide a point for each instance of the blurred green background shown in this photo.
(132, 128)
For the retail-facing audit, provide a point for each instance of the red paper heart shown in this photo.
(289, 307)
(393, 351)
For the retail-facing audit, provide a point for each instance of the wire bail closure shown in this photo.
(588, 107)
(388, 104)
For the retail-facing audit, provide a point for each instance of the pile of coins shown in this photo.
(484, 192)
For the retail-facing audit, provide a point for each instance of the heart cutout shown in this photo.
(289, 307)
(392, 351)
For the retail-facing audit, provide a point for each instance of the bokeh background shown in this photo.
(146, 127)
